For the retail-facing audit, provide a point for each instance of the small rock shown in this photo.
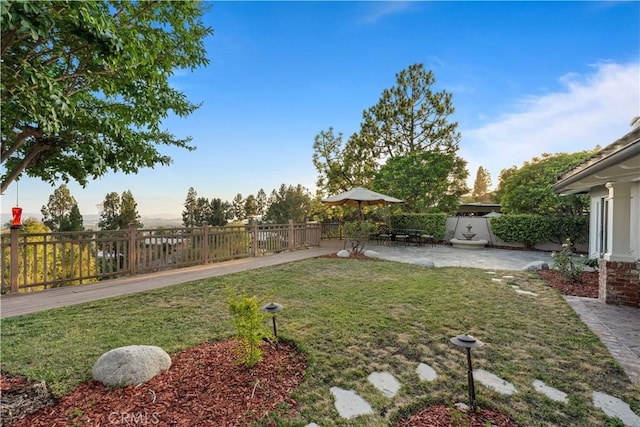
(536, 265)
(462, 406)
(424, 262)
(344, 253)
(371, 253)
(134, 364)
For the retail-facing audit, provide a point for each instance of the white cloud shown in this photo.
(593, 109)
(379, 10)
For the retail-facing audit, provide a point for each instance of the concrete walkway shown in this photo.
(617, 327)
(19, 304)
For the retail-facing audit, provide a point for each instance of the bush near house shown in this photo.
(533, 229)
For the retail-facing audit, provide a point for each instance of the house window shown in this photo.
(603, 216)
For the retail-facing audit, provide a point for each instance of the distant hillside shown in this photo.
(91, 221)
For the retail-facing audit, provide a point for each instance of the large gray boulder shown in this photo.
(371, 253)
(134, 364)
(344, 253)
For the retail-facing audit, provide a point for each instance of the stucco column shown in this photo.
(619, 223)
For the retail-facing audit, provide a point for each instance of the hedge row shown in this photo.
(434, 224)
(532, 229)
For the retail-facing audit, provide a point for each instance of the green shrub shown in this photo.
(358, 232)
(527, 229)
(250, 326)
(532, 229)
(566, 262)
(434, 224)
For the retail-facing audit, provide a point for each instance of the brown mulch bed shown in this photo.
(587, 287)
(206, 387)
(445, 416)
(203, 387)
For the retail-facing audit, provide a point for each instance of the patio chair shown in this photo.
(384, 234)
(401, 236)
(428, 238)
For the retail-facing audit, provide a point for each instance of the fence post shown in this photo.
(256, 243)
(292, 236)
(205, 242)
(132, 249)
(13, 260)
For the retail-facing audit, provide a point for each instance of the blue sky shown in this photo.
(526, 78)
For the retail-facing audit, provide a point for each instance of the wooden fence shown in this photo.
(36, 261)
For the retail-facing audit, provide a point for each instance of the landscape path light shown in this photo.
(273, 308)
(468, 342)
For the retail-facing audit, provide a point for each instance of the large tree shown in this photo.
(409, 120)
(261, 202)
(481, 186)
(289, 203)
(237, 206)
(110, 212)
(57, 214)
(129, 211)
(218, 212)
(428, 181)
(119, 211)
(340, 165)
(85, 85)
(410, 117)
(189, 212)
(529, 189)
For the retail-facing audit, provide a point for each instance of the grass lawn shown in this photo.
(351, 318)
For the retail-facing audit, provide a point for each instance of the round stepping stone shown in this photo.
(550, 392)
(349, 404)
(494, 382)
(614, 407)
(521, 292)
(426, 372)
(312, 425)
(385, 382)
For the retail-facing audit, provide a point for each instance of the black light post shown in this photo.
(273, 308)
(468, 342)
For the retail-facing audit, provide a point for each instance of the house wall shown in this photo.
(595, 243)
(635, 220)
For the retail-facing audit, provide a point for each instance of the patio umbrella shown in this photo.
(358, 197)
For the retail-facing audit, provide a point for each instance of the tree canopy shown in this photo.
(529, 189)
(289, 203)
(85, 85)
(427, 181)
(391, 150)
(481, 186)
(61, 213)
(118, 212)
